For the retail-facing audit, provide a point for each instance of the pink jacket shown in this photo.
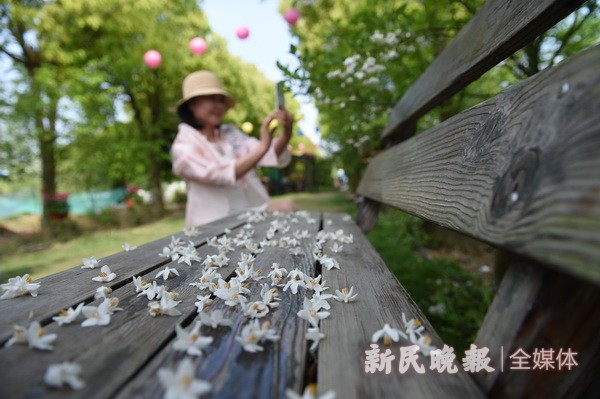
(209, 172)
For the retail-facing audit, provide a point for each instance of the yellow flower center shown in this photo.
(194, 337)
(29, 279)
(114, 302)
(155, 311)
(416, 323)
(387, 340)
(174, 295)
(186, 380)
(426, 339)
(41, 332)
(63, 313)
(102, 274)
(345, 291)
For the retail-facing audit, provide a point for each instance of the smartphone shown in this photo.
(279, 98)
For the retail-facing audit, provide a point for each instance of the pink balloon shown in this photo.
(152, 58)
(198, 46)
(291, 15)
(242, 32)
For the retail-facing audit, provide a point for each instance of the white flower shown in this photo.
(37, 337)
(111, 305)
(102, 292)
(319, 300)
(336, 248)
(256, 309)
(207, 278)
(246, 260)
(297, 251)
(215, 319)
(250, 337)
(191, 232)
(89, 263)
(188, 254)
(96, 315)
(389, 334)
(313, 334)
(295, 280)
(105, 275)
(424, 342)
(203, 302)
(230, 291)
(315, 283)
(311, 313)
(68, 316)
(268, 333)
(252, 333)
(181, 384)
(59, 375)
(167, 272)
(191, 342)
(128, 247)
(345, 295)
(221, 260)
(19, 336)
(301, 234)
(169, 252)
(166, 306)
(140, 284)
(151, 290)
(269, 295)
(18, 286)
(327, 261)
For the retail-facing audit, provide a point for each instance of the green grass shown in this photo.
(64, 255)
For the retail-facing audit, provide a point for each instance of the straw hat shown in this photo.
(203, 83)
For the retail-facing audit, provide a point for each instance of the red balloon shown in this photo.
(242, 32)
(152, 58)
(198, 46)
(291, 15)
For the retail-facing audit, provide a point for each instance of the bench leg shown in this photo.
(537, 310)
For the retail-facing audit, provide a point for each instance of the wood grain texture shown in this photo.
(519, 171)
(381, 299)
(71, 287)
(233, 372)
(499, 29)
(536, 308)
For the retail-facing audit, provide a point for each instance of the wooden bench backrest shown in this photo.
(519, 171)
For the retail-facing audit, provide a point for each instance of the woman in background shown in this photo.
(217, 161)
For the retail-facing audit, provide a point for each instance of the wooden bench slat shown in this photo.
(537, 308)
(233, 372)
(499, 29)
(519, 171)
(111, 355)
(381, 299)
(71, 287)
(108, 354)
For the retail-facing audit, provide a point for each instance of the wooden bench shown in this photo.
(519, 171)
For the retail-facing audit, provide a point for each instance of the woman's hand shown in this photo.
(286, 119)
(266, 134)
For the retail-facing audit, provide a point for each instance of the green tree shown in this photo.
(20, 41)
(357, 58)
